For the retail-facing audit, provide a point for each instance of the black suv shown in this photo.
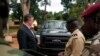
(53, 36)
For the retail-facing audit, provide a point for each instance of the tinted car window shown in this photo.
(54, 25)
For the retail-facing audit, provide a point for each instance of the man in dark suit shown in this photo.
(25, 35)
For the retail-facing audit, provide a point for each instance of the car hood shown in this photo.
(54, 31)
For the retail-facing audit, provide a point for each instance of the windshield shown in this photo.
(55, 25)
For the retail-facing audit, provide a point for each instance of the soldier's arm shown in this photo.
(74, 46)
(67, 51)
(69, 42)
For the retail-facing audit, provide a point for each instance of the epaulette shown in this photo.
(74, 35)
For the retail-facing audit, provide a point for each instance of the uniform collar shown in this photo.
(75, 31)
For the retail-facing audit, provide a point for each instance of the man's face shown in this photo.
(30, 21)
(97, 21)
(91, 24)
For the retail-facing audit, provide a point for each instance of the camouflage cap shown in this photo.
(91, 9)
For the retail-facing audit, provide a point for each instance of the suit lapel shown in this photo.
(27, 30)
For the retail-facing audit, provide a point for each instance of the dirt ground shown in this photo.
(14, 44)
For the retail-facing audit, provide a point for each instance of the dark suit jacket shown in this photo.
(26, 39)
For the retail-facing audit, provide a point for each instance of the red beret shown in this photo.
(91, 9)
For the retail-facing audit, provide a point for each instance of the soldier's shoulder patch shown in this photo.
(74, 35)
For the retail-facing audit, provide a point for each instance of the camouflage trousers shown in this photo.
(92, 51)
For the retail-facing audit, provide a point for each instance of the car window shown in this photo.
(55, 25)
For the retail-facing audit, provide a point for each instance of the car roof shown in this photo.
(56, 20)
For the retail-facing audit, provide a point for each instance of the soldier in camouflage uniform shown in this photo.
(91, 27)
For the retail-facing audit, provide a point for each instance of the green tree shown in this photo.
(58, 16)
(17, 12)
(25, 5)
(76, 10)
(45, 3)
(34, 9)
(65, 16)
(50, 16)
(66, 4)
(73, 9)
